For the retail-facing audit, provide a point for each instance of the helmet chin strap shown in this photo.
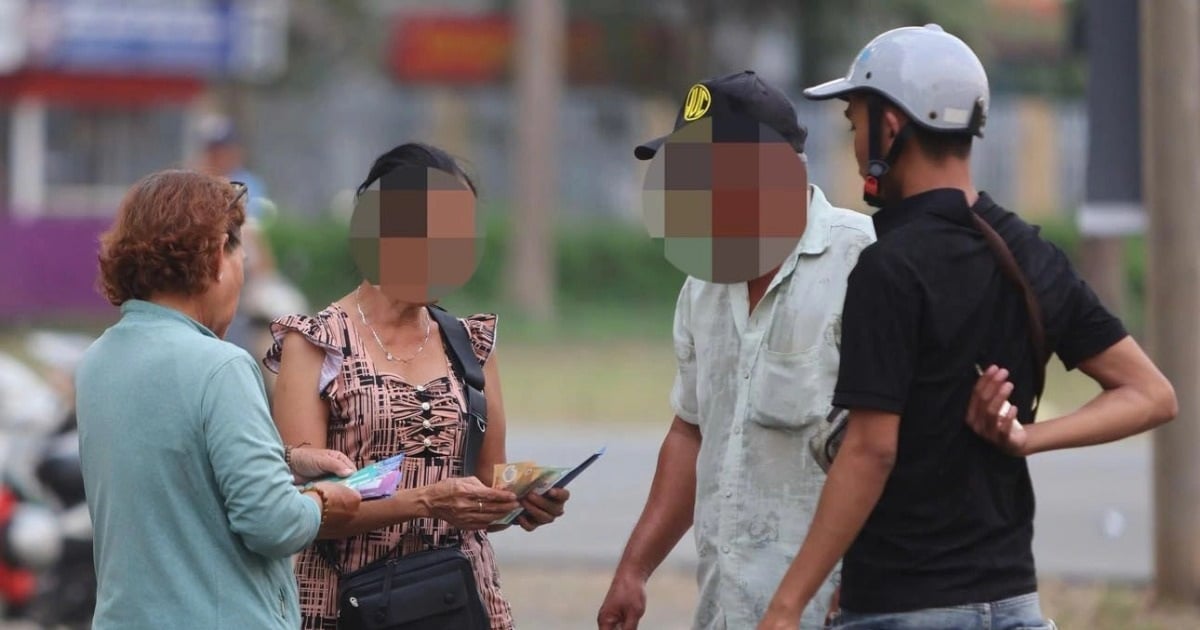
(878, 166)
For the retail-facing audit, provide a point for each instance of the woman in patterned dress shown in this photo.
(369, 376)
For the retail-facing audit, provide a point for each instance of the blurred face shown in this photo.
(729, 199)
(416, 235)
(224, 159)
(224, 293)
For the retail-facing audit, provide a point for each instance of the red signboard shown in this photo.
(451, 49)
(100, 89)
(480, 49)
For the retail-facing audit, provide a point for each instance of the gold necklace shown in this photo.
(387, 353)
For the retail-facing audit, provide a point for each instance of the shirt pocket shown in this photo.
(788, 389)
(793, 378)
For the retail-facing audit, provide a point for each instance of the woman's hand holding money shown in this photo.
(543, 509)
(465, 503)
(308, 463)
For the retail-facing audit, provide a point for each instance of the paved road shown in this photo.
(1093, 515)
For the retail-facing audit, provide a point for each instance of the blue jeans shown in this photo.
(1016, 613)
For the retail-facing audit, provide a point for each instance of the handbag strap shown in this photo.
(1012, 271)
(467, 367)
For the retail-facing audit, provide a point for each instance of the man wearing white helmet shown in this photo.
(950, 315)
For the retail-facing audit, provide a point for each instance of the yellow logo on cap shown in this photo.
(698, 100)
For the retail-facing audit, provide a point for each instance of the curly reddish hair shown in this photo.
(167, 236)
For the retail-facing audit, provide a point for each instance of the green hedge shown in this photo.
(601, 264)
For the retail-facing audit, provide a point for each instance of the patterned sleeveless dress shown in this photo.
(375, 415)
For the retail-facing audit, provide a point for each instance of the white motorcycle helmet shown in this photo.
(935, 78)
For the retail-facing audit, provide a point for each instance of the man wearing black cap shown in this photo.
(756, 339)
(743, 93)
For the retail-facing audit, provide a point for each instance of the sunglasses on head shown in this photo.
(240, 190)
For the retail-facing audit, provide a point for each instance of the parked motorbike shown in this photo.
(47, 575)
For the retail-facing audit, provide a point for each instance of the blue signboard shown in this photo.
(240, 38)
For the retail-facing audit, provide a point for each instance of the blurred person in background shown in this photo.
(756, 364)
(929, 503)
(222, 155)
(267, 294)
(188, 484)
(369, 376)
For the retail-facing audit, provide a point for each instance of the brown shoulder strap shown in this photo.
(1037, 333)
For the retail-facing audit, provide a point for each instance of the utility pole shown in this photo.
(540, 66)
(1170, 43)
(1112, 208)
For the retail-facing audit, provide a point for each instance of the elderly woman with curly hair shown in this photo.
(195, 510)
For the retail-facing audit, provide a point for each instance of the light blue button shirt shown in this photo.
(194, 511)
(759, 386)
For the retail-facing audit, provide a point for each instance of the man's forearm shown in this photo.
(669, 508)
(1136, 397)
(854, 485)
(1113, 415)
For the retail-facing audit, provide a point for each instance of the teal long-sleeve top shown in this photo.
(193, 507)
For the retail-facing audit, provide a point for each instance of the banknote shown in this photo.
(516, 477)
(545, 478)
(525, 478)
(375, 481)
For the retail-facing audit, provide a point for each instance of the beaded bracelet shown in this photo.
(324, 501)
(287, 452)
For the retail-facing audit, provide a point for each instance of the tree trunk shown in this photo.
(540, 65)
(1170, 40)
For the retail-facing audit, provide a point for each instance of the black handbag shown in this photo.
(434, 589)
(430, 590)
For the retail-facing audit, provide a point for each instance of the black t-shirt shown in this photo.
(924, 305)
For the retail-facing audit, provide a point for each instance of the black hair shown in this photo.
(942, 145)
(416, 154)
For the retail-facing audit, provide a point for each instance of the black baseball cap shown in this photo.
(738, 94)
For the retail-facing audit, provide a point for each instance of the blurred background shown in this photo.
(544, 101)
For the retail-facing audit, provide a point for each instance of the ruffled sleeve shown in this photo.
(481, 328)
(323, 331)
